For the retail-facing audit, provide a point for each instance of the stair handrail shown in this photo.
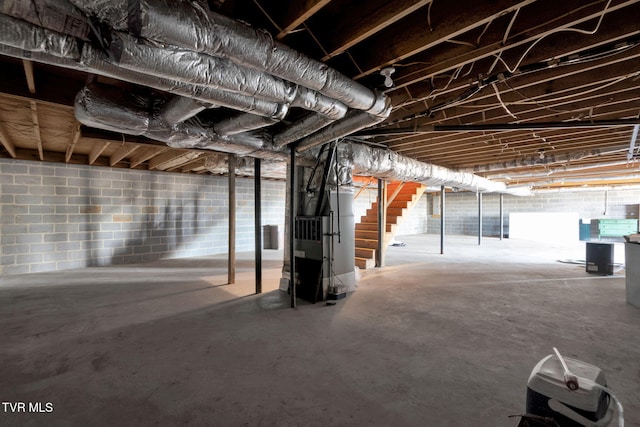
(395, 193)
(364, 187)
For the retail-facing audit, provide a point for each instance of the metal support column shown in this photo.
(382, 222)
(231, 265)
(442, 210)
(292, 227)
(257, 192)
(479, 218)
(501, 216)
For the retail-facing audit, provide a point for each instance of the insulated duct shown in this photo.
(22, 35)
(178, 109)
(546, 160)
(97, 62)
(300, 129)
(123, 112)
(59, 16)
(190, 26)
(352, 122)
(314, 101)
(198, 69)
(242, 123)
(383, 163)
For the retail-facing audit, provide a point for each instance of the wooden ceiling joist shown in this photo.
(75, 137)
(372, 17)
(145, 154)
(172, 158)
(36, 128)
(402, 40)
(28, 72)
(125, 150)
(98, 149)
(293, 14)
(6, 141)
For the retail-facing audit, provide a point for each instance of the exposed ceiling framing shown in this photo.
(457, 65)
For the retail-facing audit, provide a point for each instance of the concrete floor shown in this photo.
(430, 340)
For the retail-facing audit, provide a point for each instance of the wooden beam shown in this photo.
(169, 157)
(392, 197)
(36, 128)
(28, 72)
(122, 152)
(349, 29)
(75, 137)
(200, 162)
(6, 141)
(411, 35)
(295, 13)
(97, 150)
(146, 154)
(455, 56)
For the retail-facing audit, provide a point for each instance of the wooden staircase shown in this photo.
(401, 197)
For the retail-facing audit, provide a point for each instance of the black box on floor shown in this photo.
(333, 296)
(548, 395)
(600, 258)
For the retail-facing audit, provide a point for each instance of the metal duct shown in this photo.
(96, 61)
(20, 39)
(56, 15)
(198, 69)
(314, 101)
(245, 167)
(189, 25)
(44, 58)
(22, 35)
(352, 122)
(559, 169)
(179, 108)
(242, 123)
(114, 111)
(548, 159)
(303, 127)
(383, 163)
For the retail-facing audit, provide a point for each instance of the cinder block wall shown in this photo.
(57, 216)
(462, 208)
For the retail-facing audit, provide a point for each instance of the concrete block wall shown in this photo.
(59, 216)
(462, 208)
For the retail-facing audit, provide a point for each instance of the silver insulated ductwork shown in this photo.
(205, 64)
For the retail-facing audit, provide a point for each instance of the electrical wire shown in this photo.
(560, 30)
(495, 88)
(616, 401)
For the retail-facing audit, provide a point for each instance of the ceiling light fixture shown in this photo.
(386, 72)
